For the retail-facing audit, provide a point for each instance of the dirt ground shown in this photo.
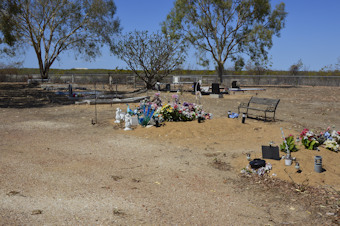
(56, 168)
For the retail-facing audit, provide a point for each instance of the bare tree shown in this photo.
(150, 56)
(54, 26)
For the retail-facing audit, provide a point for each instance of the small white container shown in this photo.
(288, 162)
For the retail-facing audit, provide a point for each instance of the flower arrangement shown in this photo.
(309, 139)
(332, 145)
(260, 171)
(169, 112)
(331, 139)
(290, 143)
(185, 112)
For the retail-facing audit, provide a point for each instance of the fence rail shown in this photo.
(130, 79)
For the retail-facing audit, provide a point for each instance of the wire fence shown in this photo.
(132, 80)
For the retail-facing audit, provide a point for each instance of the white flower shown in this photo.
(309, 134)
(332, 145)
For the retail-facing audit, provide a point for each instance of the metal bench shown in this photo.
(265, 105)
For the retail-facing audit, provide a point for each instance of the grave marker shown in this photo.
(270, 152)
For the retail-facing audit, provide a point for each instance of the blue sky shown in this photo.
(312, 34)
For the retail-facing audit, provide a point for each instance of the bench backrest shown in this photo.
(264, 101)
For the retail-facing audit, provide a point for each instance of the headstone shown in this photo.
(234, 85)
(270, 152)
(198, 88)
(167, 87)
(215, 88)
(175, 79)
(134, 121)
(70, 92)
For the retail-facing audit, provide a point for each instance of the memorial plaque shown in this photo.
(270, 152)
(215, 88)
(167, 87)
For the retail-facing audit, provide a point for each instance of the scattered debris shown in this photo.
(211, 154)
(116, 178)
(36, 212)
(15, 193)
(220, 165)
(119, 212)
(106, 187)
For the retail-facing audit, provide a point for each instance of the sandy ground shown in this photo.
(59, 169)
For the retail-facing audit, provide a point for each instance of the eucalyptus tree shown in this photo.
(150, 56)
(55, 26)
(226, 28)
(8, 10)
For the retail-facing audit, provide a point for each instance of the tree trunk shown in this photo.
(220, 70)
(149, 85)
(44, 72)
(150, 82)
(44, 68)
